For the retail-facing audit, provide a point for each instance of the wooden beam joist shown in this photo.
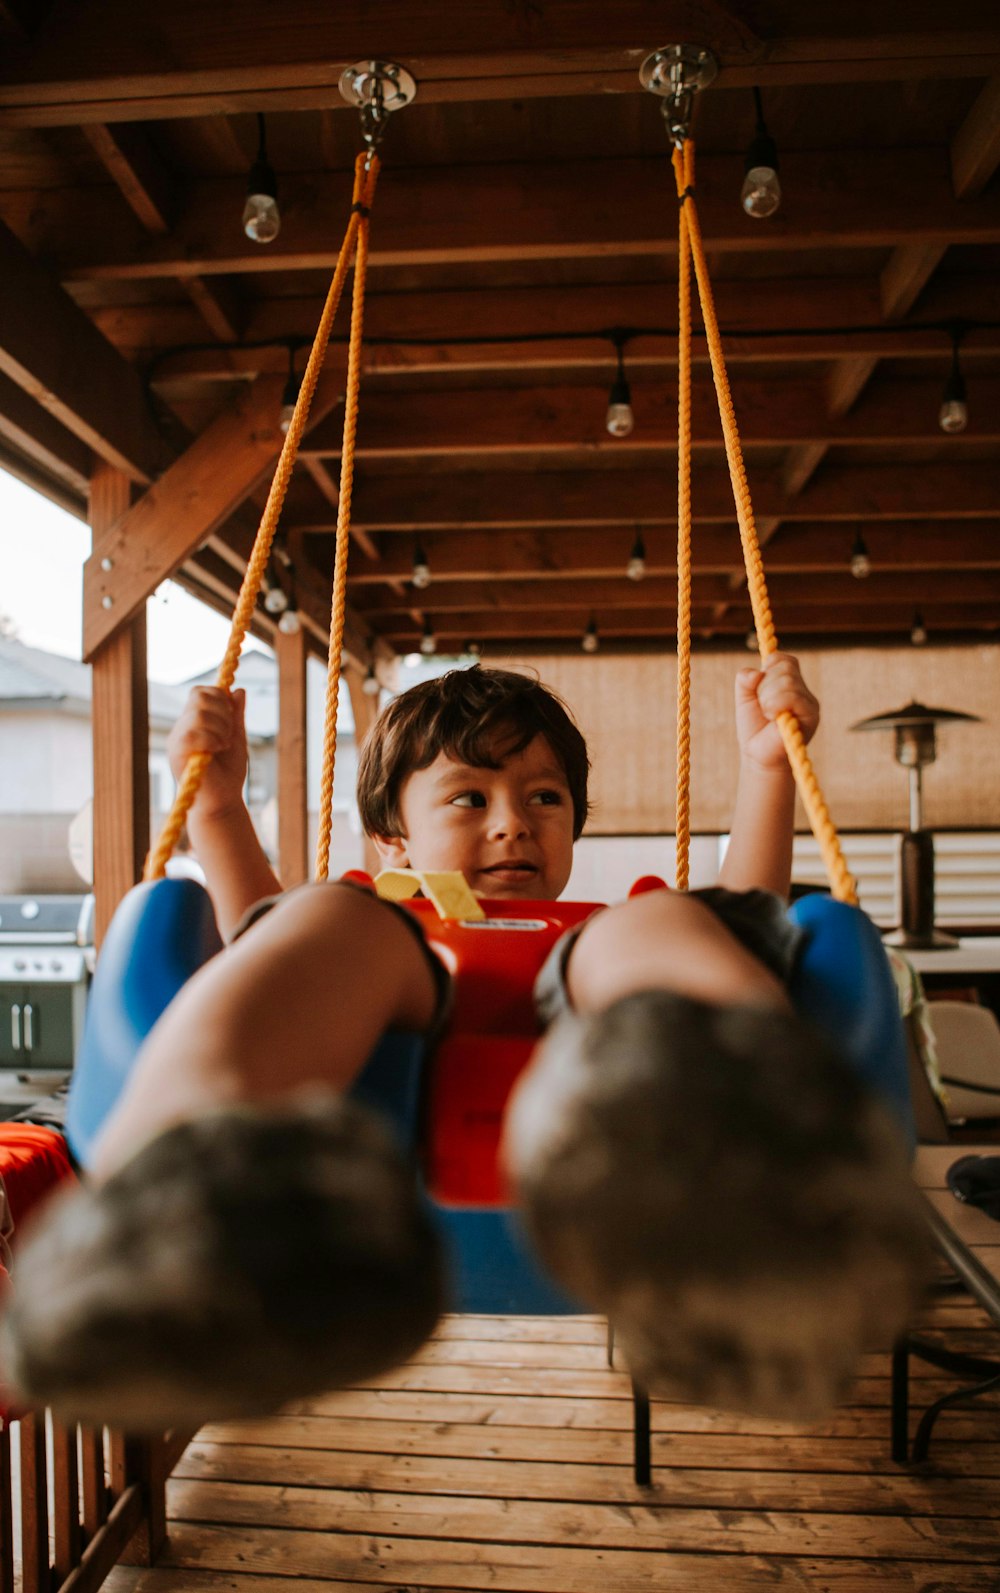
(579, 551)
(507, 422)
(90, 54)
(640, 624)
(51, 349)
(189, 501)
(620, 596)
(593, 497)
(560, 210)
(34, 432)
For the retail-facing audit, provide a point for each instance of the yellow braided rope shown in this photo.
(682, 824)
(198, 762)
(841, 882)
(365, 189)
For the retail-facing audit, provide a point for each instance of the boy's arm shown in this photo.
(219, 826)
(760, 846)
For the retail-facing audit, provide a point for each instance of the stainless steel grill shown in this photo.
(46, 960)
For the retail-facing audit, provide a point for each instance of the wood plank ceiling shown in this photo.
(525, 212)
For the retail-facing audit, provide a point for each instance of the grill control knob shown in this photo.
(55, 965)
(20, 964)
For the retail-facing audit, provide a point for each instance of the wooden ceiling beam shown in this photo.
(620, 595)
(577, 551)
(568, 625)
(51, 350)
(592, 497)
(508, 422)
(140, 176)
(32, 431)
(90, 55)
(151, 194)
(190, 500)
(559, 210)
(767, 306)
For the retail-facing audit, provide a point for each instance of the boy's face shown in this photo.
(509, 830)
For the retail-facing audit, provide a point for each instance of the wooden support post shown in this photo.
(139, 1463)
(365, 711)
(35, 1573)
(6, 1513)
(293, 796)
(120, 730)
(65, 1500)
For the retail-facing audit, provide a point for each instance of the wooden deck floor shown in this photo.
(500, 1459)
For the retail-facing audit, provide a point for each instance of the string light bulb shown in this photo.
(421, 576)
(473, 649)
(760, 195)
(953, 416)
(290, 623)
(635, 569)
(428, 641)
(750, 640)
(290, 396)
(590, 641)
(275, 596)
(918, 630)
(619, 418)
(861, 564)
(370, 684)
(261, 216)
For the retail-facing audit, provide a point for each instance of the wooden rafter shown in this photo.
(50, 349)
(564, 210)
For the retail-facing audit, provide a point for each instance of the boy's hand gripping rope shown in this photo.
(841, 882)
(365, 176)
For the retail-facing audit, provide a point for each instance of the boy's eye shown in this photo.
(468, 799)
(547, 798)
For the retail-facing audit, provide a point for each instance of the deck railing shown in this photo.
(77, 1501)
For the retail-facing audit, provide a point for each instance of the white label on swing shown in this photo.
(505, 923)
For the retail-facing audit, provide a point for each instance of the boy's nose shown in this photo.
(508, 821)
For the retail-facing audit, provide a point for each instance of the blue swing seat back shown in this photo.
(162, 932)
(165, 931)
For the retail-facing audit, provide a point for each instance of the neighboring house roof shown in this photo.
(258, 675)
(32, 678)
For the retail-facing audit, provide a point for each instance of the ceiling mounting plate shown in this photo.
(678, 69)
(383, 82)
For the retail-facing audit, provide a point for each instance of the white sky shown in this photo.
(42, 552)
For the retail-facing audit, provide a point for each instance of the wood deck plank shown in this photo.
(296, 1512)
(500, 1459)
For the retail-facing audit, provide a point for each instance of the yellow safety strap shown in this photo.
(841, 882)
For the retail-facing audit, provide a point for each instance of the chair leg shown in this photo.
(642, 1464)
(611, 1345)
(922, 1436)
(901, 1403)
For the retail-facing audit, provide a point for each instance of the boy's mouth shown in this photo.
(511, 872)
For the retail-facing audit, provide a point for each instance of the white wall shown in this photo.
(45, 762)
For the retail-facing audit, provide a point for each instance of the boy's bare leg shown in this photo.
(665, 941)
(247, 1239)
(302, 999)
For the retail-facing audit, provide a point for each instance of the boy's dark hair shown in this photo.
(236, 1262)
(477, 716)
(722, 1186)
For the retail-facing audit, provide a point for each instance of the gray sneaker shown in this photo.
(237, 1262)
(719, 1184)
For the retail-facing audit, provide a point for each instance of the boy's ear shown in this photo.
(392, 850)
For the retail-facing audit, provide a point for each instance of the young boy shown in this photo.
(691, 1159)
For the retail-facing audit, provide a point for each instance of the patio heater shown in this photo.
(915, 728)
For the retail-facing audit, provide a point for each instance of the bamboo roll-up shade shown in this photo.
(625, 707)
